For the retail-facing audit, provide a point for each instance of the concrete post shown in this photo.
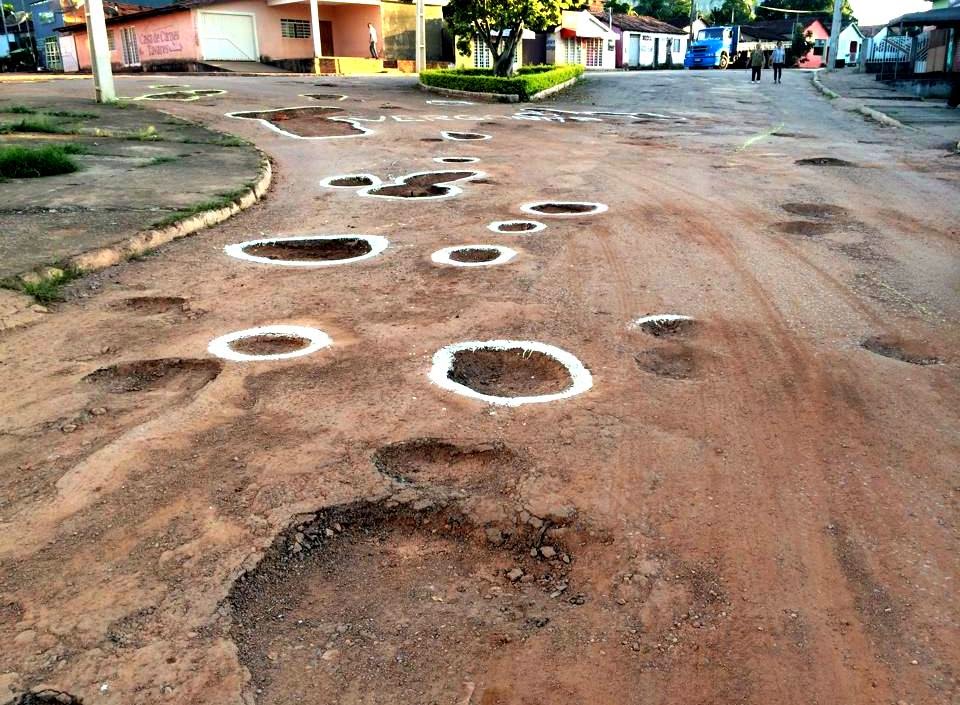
(315, 33)
(421, 38)
(100, 52)
(835, 35)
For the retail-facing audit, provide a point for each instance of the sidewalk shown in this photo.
(929, 115)
(140, 171)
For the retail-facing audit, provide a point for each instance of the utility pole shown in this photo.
(315, 33)
(693, 17)
(421, 38)
(100, 52)
(835, 35)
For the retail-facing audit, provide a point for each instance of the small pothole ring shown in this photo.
(377, 244)
(456, 160)
(498, 226)
(595, 208)
(660, 319)
(316, 338)
(477, 136)
(580, 378)
(373, 180)
(443, 256)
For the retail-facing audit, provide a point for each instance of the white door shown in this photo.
(634, 59)
(227, 37)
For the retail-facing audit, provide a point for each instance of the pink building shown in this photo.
(197, 34)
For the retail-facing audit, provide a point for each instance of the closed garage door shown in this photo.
(227, 37)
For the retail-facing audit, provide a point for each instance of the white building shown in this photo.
(582, 39)
(646, 42)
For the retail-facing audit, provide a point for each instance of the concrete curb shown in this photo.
(472, 95)
(871, 113)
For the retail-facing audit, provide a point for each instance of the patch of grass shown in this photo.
(20, 110)
(70, 114)
(49, 290)
(40, 123)
(30, 163)
(223, 200)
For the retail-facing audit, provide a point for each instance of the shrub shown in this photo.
(525, 83)
(24, 163)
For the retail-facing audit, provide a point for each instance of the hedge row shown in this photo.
(530, 79)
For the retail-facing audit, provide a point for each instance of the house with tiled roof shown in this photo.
(646, 42)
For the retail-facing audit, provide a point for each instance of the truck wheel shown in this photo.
(724, 61)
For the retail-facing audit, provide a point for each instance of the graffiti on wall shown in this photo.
(161, 42)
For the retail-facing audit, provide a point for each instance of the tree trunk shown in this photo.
(503, 64)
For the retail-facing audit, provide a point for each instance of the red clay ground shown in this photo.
(753, 510)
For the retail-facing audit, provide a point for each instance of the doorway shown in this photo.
(326, 38)
(633, 57)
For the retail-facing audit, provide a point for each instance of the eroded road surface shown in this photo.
(750, 501)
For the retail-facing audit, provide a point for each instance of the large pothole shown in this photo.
(276, 342)
(409, 603)
(184, 95)
(309, 250)
(664, 324)
(311, 122)
(473, 255)
(434, 461)
(900, 349)
(423, 185)
(174, 373)
(563, 208)
(509, 372)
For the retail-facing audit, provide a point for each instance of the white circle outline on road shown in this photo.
(497, 225)
(448, 135)
(441, 101)
(456, 160)
(580, 377)
(531, 208)
(364, 131)
(659, 318)
(451, 186)
(443, 256)
(377, 243)
(316, 338)
(374, 181)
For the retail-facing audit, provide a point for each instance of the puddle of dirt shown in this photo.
(311, 250)
(666, 326)
(520, 226)
(807, 228)
(422, 185)
(433, 461)
(152, 305)
(150, 375)
(824, 211)
(899, 349)
(673, 363)
(824, 161)
(474, 255)
(352, 181)
(509, 373)
(268, 344)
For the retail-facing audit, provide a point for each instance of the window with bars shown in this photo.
(295, 29)
(111, 40)
(594, 50)
(51, 49)
(482, 58)
(128, 43)
(571, 51)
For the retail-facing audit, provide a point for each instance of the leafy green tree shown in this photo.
(740, 10)
(499, 24)
(824, 6)
(618, 7)
(802, 43)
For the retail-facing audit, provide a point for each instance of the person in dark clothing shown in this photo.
(756, 65)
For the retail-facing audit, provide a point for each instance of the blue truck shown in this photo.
(724, 46)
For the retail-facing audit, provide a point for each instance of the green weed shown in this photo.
(29, 163)
(49, 290)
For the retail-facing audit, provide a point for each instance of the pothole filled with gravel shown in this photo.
(308, 122)
(465, 136)
(563, 208)
(350, 181)
(509, 372)
(824, 211)
(310, 250)
(899, 349)
(807, 228)
(516, 227)
(664, 324)
(174, 373)
(430, 184)
(823, 161)
(276, 342)
(473, 255)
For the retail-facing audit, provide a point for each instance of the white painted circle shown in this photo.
(443, 256)
(328, 182)
(458, 160)
(531, 208)
(580, 377)
(498, 225)
(448, 135)
(440, 101)
(452, 188)
(377, 243)
(221, 346)
(659, 318)
(241, 115)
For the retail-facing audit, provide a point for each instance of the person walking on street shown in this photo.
(373, 40)
(778, 59)
(756, 64)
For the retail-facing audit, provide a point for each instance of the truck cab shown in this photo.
(714, 47)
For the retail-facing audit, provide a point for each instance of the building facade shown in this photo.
(582, 39)
(646, 42)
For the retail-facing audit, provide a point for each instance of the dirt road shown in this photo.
(758, 506)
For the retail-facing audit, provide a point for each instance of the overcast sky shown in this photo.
(882, 11)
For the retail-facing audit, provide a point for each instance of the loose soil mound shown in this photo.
(311, 250)
(151, 305)
(563, 208)
(352, 181)
(673, 363)
(509, 373)
(824, 161)
(806, 227)
(423, 185)
(176, 374)
(268, 344)
(474, 255)
(433, 461)
(824, 211)
(899, 349)
(663, 327)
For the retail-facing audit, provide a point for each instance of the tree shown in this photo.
(499, 24)
(824, 6)
(802, 43)
(739, 10)
(618, 7)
